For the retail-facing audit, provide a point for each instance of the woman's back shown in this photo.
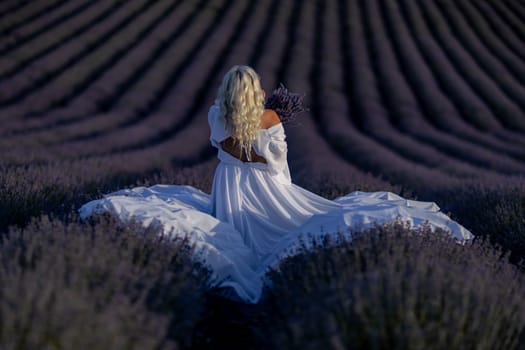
(269, 119)
(269, 149)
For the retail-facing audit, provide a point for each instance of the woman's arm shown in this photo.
(269, 118)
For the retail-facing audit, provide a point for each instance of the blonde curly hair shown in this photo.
(241, 103)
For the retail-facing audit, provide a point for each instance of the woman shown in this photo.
(252, 189)
(255, 215)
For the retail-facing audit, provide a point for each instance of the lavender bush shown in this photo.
(494, 211)
(397, 288)
(99, 286)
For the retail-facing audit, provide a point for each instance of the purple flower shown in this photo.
(287, 104)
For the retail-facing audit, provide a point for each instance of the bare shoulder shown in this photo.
(269, 118)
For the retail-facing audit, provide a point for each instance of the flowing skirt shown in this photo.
(252, 219)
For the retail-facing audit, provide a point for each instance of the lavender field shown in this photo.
(422, 98)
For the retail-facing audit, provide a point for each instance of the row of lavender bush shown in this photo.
(397, 288)
(97, 286)
(104, 285)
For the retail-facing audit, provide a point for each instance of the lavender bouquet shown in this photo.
(287, 104)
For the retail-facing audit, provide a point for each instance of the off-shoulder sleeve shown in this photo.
(271, 144)
(218, 130)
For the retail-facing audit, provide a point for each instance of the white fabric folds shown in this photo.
(255, 215)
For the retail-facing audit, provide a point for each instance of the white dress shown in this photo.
(255, 215)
